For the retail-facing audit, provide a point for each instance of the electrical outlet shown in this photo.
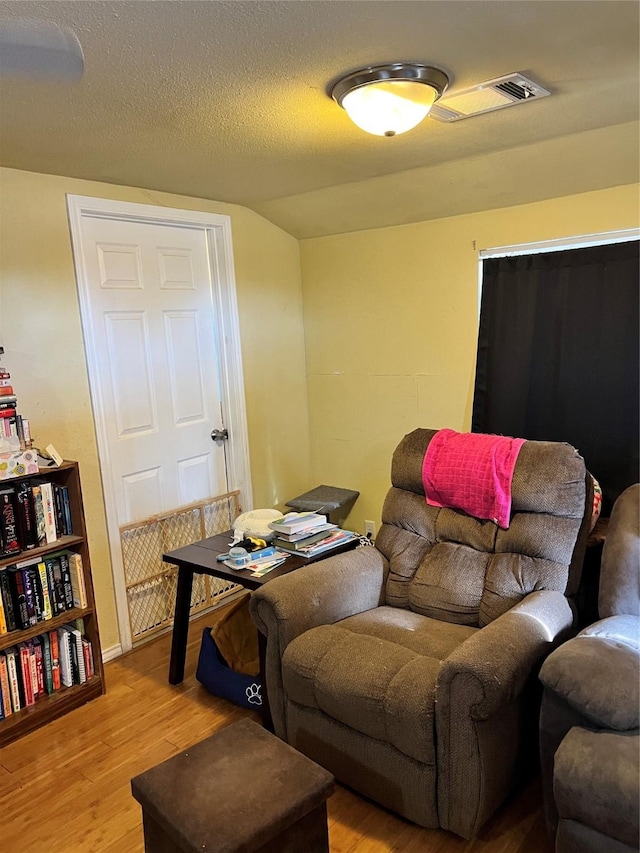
(370, 529)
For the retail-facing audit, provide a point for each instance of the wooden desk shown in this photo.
(200, 558)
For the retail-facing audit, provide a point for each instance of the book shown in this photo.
(46, 662)
(33, 669)
(301, 542)
(24, 670)
(4, 685)
(46, 490)
(294, 522)
(14, 682)
(54, 649)
(39, 658)
(75, 673)
(77, 655)
(26, 515)
(41, 528)
(66, 507)
(78, 586)
(336, 540)
(58, 510)
(66, 666)
(311, 531)
(18, 595)
(91, 658)
(29, 593)
(9, 543)
(47, 609)
(7, 600)
(20, 430)
(56, 584)
(66, 579)
(3, 618)
(38, 593)
(7, 423)
(88, 658)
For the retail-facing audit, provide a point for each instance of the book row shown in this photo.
(33, 513)
(48, 663)
(36, 590)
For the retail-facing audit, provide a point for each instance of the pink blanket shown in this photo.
(471, 472)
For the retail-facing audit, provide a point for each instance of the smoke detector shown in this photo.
(486, 97)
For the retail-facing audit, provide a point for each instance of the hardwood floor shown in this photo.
(66, 788)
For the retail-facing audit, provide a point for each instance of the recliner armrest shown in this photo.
(624, 628)
(320, 594)
(496, 661)
(597, 674)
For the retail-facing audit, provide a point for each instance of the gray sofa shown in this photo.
(409, 670)
(589, 740)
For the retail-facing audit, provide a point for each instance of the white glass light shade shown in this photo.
(389, 107)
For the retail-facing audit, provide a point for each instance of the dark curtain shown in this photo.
(558, 355)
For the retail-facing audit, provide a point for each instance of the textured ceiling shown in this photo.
(228, 101)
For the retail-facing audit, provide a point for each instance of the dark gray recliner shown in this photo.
(589, 738)
(410, 670)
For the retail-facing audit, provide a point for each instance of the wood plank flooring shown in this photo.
(66, 788)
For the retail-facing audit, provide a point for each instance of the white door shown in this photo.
(153, 298)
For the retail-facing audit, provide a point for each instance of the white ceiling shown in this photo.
(228, 101)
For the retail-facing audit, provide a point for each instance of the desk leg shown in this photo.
(180, 625)
(265, 710)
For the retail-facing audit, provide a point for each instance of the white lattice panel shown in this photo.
(151, 583)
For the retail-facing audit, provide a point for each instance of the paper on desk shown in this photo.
(261, 565)
(267, 567)
(265, 564)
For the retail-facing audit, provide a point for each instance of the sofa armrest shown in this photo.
(486, 710)
(623, 628)
(493, 665)
(320, 594)
(597, 674)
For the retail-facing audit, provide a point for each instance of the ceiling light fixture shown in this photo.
(389, 99)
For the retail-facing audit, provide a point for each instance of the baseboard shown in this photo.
(111, 653)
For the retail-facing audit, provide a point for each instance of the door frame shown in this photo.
(227, 333)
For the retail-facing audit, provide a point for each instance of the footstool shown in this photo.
(242, 790)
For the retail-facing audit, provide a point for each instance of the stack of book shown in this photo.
(308, 534)
(11, 423)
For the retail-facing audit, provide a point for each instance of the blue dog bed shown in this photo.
(217, 677)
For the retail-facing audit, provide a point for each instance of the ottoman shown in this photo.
(242, 789)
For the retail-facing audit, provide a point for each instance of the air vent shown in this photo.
(487, 97)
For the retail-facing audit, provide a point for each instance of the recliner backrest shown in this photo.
(456, 568)
(619, 592)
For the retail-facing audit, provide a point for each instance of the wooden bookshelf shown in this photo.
(54, 705)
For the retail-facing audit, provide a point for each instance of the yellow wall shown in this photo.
(388, 319)
(391, 319)
(40, 331)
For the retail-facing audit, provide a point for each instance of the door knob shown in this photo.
(219, 434)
